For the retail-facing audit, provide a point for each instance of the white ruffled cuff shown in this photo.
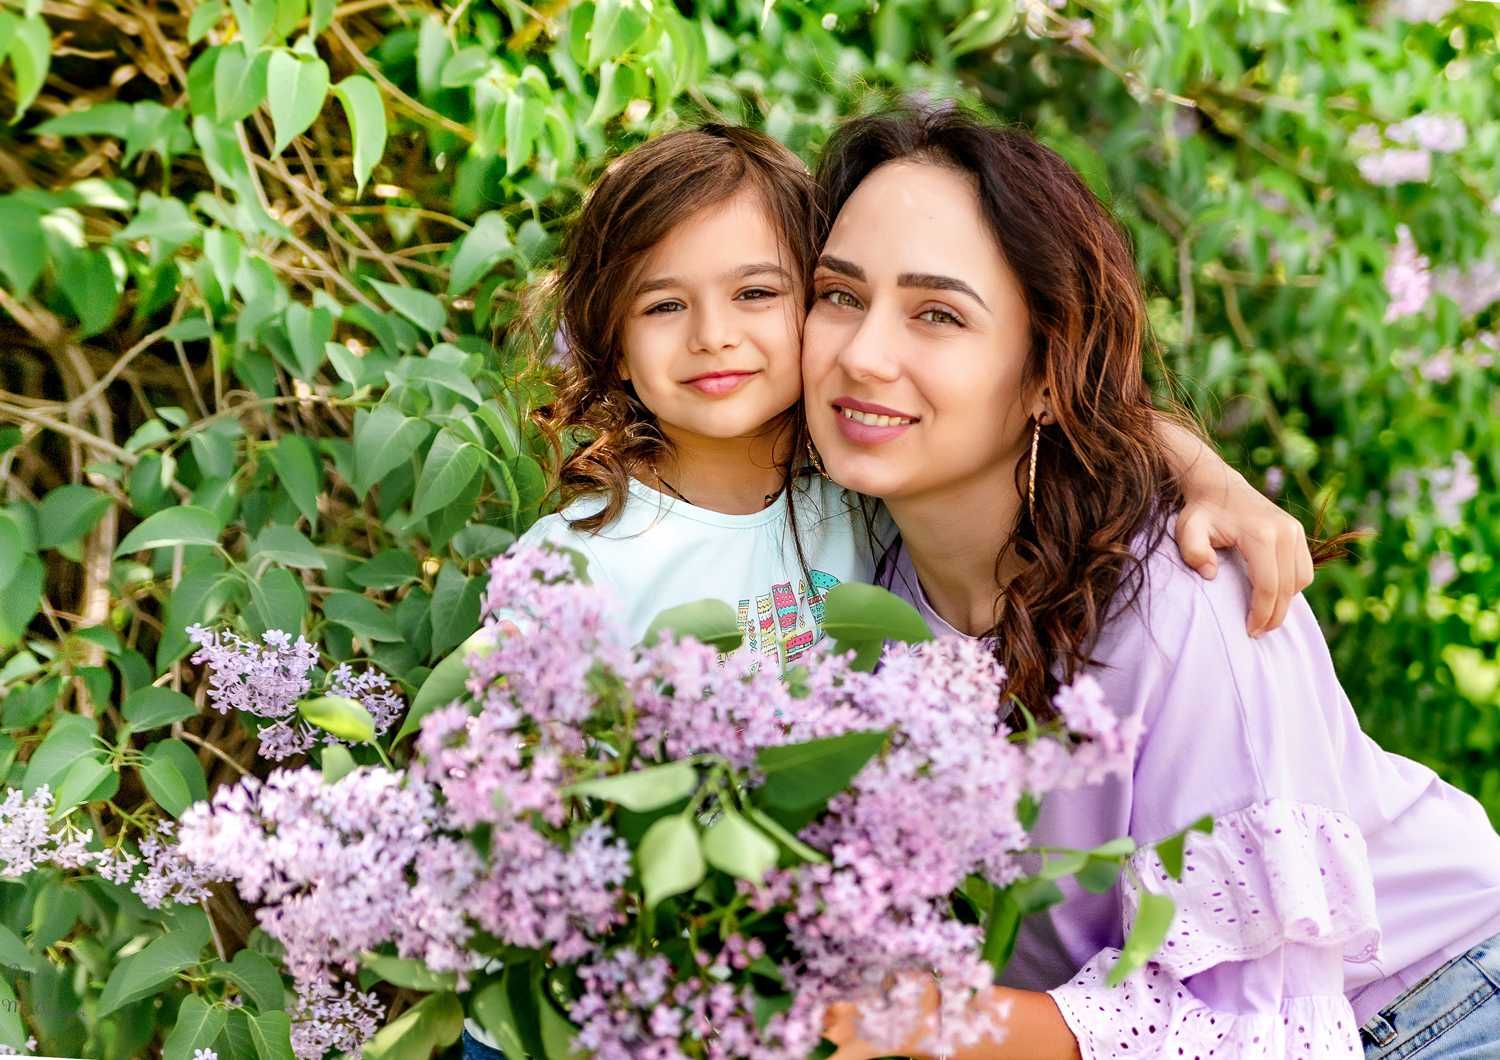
(1272, 873)
(1152, 1014)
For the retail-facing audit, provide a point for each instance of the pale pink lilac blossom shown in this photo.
(28, 841)
(324, 1019)
(1442, 133)
(1396, 166)
(1407, 278)
(1474, 288)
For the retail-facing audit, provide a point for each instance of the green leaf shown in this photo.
(1153, 919)
(427, 1027)
(197, 1026)
(493, 1009)
(406, 972)
(309, 330)
(67, 513)
(272, 1034)
(13, 548)
(734, 845)
(420, 307)
(344, 717)
(670, 859)
(383, 439)
(1098, 875)
(864, 617)
(296, 465)
(775, 829)
(360, 615)
(255, 19)
(296, 88)
(54, 915)
(1172, 848)
(556, 1032)
(1001, 926)
(617, 25)
(204, 18)
(204, 586)
(164, 781)
(14, 954)
(455, 607)
(479, 249)
(288, 546)
(12, 1031)
(88, 282)
(142, 974)
(276, 602)
(256, 978)
(71, 736)
(23, 247)
(366, 114)
(478, 541)
(82, 778)
(808, 774)
(183, 525)
(446, 682)
(336, 763)
(20, 599)
(450, 465)
(30, 58)
(240, 82)
(152, 707)
(642, 789)
(390, 569)
(710, 622)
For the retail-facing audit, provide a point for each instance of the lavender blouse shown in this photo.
(1336, 876)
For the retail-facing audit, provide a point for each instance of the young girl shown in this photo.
(681, 294)
(1347, 901)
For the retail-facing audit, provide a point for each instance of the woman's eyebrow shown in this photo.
(938, 283)
(842, 267)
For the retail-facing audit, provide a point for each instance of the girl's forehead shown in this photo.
(722, 236)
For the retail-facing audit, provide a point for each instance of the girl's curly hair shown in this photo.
(597, 429)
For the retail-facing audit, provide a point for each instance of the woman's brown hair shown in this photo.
(641, 197)
(1103, 484)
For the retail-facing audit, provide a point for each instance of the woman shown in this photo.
(973, 358)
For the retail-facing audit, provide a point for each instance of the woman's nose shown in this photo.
(867, 354)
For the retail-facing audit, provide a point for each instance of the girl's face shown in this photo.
(915, 349)
(712, 338)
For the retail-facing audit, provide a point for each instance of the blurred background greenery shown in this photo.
(260, 262)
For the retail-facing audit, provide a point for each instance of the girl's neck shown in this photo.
(729, 475)
(953, 539)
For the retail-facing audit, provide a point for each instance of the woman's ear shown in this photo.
(1040, 410)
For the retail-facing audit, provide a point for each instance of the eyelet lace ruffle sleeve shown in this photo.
(1281, 894)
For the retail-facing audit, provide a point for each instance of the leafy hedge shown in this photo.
(261, 264)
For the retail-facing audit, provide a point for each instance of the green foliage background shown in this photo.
(260, 261)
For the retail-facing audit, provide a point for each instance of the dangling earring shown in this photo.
(816, 462)
(1036, 435)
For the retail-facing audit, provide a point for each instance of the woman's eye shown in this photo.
(939, 316)
(841, 298)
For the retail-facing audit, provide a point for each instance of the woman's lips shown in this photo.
(718, 384)
(870, 427)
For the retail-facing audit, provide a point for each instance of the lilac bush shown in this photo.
(691, 855)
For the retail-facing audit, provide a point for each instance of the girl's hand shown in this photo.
(1222, 510)
(838, 1028)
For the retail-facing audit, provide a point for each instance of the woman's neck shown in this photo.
(953, 539)
(729, 475)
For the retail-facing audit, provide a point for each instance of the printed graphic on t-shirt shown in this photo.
(782, 624)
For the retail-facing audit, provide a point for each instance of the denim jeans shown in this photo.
(1453, 1014)
(474, 1049)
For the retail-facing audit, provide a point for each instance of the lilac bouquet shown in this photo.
(658, 850)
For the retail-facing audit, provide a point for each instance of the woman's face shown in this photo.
(916, 345)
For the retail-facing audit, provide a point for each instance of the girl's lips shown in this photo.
(868, 434)
(719, 384)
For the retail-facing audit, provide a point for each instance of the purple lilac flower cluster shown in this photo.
(266, 680)
(390, 858)
(1417, 139)
(27, 840)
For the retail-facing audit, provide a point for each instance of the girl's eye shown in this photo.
(669, 306)
(757, 294)
(939, 316)
(840, 297)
